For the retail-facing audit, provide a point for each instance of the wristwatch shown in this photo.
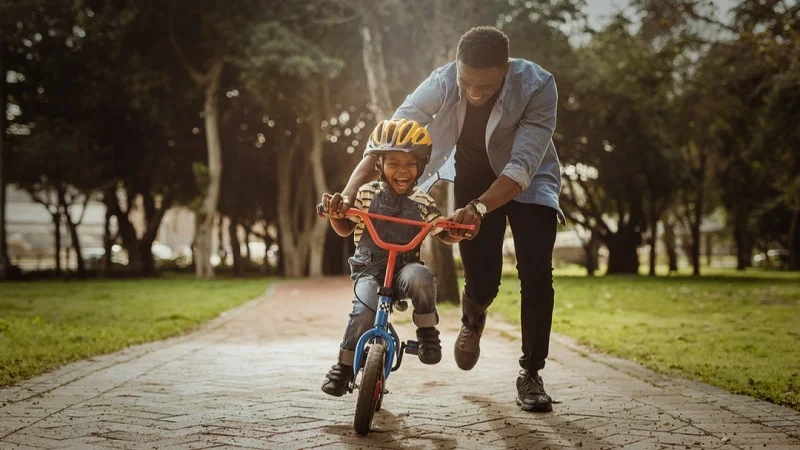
(480, 207)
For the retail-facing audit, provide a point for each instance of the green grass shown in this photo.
(49, 323)
(740, 332)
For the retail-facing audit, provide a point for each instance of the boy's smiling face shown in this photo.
(400, 170)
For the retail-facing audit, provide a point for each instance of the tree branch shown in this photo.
(333, 20)
(196, 75)
(35, 196)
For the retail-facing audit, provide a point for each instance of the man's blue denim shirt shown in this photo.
(518, 134)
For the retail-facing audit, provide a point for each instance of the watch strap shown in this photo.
(475, 204)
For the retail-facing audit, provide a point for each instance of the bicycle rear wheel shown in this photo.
(370, 390)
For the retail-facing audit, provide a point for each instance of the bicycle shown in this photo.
(381, 345)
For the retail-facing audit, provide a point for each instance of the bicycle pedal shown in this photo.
(401, 305)
(412, 347)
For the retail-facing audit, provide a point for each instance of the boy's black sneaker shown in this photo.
(337, 381)
(430, 347)
(530, 393)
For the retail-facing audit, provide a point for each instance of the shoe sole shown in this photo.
(547, 407)
(466, 366)
(431, 362)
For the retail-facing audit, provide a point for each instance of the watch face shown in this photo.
(480, 207)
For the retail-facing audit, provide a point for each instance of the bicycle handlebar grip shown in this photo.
(320, 210)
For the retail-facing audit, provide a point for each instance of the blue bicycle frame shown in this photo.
(381, 331)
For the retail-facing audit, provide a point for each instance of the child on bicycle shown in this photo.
(402, 149)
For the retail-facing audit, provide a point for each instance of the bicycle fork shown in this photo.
(379, 331)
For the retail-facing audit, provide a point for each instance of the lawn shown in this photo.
(736, 331)
(49, 323)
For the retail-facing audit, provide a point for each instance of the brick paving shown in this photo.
(251, 378)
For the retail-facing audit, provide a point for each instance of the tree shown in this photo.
(619, 161)
(753, 67)
(5, 263)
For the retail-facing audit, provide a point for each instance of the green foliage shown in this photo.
(738, 333)
(47, 324)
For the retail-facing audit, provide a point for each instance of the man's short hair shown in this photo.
(483, 47)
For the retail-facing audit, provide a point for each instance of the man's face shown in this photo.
(479, 85)
(400, 170)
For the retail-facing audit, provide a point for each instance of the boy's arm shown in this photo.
(343, 227)
(448, 239)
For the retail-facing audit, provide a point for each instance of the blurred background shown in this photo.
(144, 137)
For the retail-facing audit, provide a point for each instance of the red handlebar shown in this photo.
(426, 227)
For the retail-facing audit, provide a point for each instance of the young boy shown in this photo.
(402, 148)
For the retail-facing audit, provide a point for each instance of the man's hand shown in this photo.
(468, 216)
(335, 205)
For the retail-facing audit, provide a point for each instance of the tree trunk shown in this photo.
(318, 228)
(222, 252)
(622, 256)
(247, 254)
(139, 249)
(377, 79)
(236, 247)
(744, 244)
(57, 235)
(72, 227)
(695, 255)
(709, 241)
(108, 243)
(293, 246)
(205, 217)
(653, 242)
(591, 249)
(794, 241)
(146, 263)
(669, 243)
(5, 263)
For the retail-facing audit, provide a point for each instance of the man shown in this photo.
(499, 115)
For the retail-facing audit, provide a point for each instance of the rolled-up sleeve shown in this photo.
(533, 135)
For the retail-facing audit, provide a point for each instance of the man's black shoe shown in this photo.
(530, 393)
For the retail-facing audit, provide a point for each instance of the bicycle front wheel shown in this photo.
(370, 390)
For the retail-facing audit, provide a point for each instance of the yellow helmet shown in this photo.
(401, 135)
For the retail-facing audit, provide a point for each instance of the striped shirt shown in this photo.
(428, 210)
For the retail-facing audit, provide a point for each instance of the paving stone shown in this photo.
(239, 383)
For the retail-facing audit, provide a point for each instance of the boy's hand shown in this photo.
(467, 216)
(336, 205)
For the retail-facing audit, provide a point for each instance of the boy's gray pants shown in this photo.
(413, 281)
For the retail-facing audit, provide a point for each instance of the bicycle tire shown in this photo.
(369, 391)
(380, 398)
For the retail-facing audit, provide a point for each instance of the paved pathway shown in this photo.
(251, 379)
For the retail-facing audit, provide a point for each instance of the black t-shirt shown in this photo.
(473, 171)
